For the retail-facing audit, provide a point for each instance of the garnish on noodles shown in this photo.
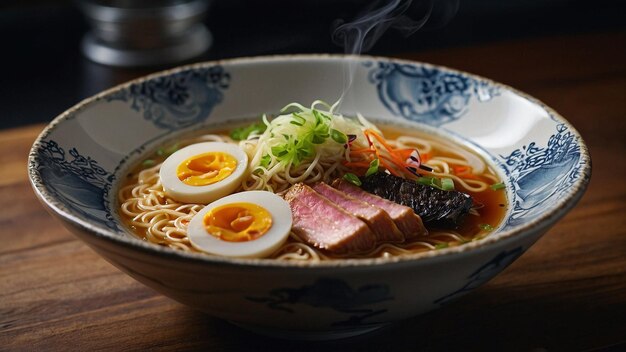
(388, 191)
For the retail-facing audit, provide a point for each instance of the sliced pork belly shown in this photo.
(377, 219)
(324, 225)
(405, 219)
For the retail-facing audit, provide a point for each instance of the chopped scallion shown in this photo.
(167, 151)
(265, 160)
(447, 184)
(318, 138)
(486, 227)
(429, 181)
(338, 136)
(279, 151)
(426, 181)
(497, 186)
(373, 167)
(318, 117)
(241, 133)
(299, 120)
(292, 145)
(172, 149)
(441, 245)
(352, 178)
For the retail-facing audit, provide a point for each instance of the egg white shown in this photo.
(182, 192)
(258, 248)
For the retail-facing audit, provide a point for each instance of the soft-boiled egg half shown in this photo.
(203, 172)
(250, 224)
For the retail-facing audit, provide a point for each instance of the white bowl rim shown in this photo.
(541, 223)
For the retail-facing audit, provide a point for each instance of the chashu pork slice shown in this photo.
(326, 226)
(404, 217)
(377, 219)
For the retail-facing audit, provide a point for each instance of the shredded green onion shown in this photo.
(301, 135)
(441, 245)
(313, 128)
(352, 178)
(148, 162)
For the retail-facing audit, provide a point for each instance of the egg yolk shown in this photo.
(238, 222)
(205, 169)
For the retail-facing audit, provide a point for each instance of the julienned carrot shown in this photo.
(390, 169)
(379, 138)
(395, 160)
(389, 148)
(362, 150)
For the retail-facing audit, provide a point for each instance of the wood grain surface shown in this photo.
(568, 292)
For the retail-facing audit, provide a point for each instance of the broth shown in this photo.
(490, 205)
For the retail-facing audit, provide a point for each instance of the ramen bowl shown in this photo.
(78, 162)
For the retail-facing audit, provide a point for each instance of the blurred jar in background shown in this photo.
(134, 33)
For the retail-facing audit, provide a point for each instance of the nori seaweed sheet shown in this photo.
(436, 207)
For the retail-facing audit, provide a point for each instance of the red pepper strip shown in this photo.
(369, 141)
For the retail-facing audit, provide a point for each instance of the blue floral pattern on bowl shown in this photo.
(178, 100)
(334, 294)
(436, 97)
(81, 156)
(483, 274)
(79, 182)
(539, 174)
(427, 94)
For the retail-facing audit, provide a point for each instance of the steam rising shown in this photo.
(355, 36)
(361, 34)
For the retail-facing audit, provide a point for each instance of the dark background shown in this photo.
(43, 72)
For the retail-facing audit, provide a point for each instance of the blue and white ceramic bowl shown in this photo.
(78, 160)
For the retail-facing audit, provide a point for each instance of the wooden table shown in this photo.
(568, 292)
